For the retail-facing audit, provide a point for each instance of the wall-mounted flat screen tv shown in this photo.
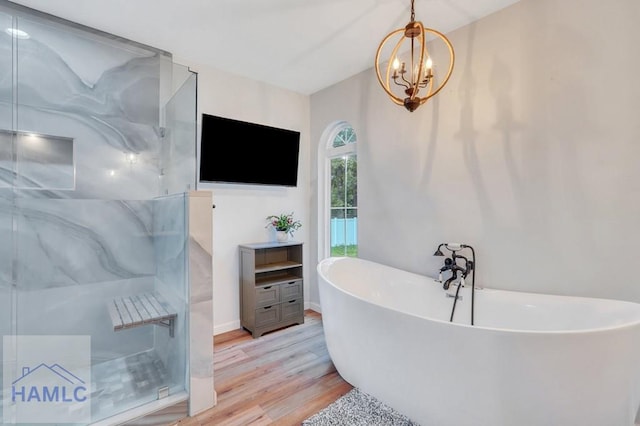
(234, 151)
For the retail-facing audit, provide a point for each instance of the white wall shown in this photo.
(241, 210)
(530, 153)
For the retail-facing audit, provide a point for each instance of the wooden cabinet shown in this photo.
(271, 290)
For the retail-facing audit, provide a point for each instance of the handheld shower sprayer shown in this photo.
(451, 247)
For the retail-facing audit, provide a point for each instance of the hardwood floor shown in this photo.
(280, 378)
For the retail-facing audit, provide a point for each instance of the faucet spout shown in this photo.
(447, 283)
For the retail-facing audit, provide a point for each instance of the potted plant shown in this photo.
(284, 224)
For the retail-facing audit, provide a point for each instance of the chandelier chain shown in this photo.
(413, 13)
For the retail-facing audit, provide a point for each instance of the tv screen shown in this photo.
(234, 151)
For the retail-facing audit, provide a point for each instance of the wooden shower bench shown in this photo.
(142, 309)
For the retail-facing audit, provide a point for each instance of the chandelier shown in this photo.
(409, 74)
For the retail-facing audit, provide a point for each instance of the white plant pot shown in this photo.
(282, 236)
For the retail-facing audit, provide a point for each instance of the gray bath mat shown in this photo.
(357, 408)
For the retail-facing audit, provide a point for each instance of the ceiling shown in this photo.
(304, 46)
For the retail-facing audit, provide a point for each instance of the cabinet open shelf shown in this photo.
(277, 266)
(280, 277)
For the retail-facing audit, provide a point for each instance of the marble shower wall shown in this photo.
(104, 95)
(110, 110)
(75, 242)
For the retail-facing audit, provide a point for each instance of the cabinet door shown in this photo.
(291, 290)
(291, 309)
(268, 295)
(267, 315)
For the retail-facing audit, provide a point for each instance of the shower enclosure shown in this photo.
(97, 154)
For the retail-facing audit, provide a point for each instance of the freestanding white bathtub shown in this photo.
(530, 359)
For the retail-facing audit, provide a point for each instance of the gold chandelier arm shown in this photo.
(429, 86)
(394, 54)
(406, 86)
(451, 63)
(393, 97)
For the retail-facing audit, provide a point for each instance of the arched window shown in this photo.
(338, 192)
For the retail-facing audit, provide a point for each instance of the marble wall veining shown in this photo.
(77, 242)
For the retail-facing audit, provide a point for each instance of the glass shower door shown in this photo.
(178, 151)
(7, 288)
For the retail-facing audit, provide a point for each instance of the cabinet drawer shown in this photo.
(291, 290)
(268, 295)
(267, 315)
(291, 309)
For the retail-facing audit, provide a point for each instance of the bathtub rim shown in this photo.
(621, 327)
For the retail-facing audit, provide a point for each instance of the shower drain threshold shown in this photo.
(163, 392)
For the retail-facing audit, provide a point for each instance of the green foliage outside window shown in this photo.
(344, 182)
(348, 250)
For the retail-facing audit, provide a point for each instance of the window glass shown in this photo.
(344, 136)
(344, 205)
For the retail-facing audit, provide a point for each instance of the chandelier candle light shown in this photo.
(410, 75)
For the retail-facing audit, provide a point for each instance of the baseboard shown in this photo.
(234, 325)
(313, 306)
(223, 328)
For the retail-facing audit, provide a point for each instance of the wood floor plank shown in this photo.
(229, 358)
(252, 416)
(257, 357)
(320, 401)
(290, 401)
(280, 378)
(265, 386)
(230, 338)
(256, 384)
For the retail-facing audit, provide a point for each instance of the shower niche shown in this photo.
(97, 166)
